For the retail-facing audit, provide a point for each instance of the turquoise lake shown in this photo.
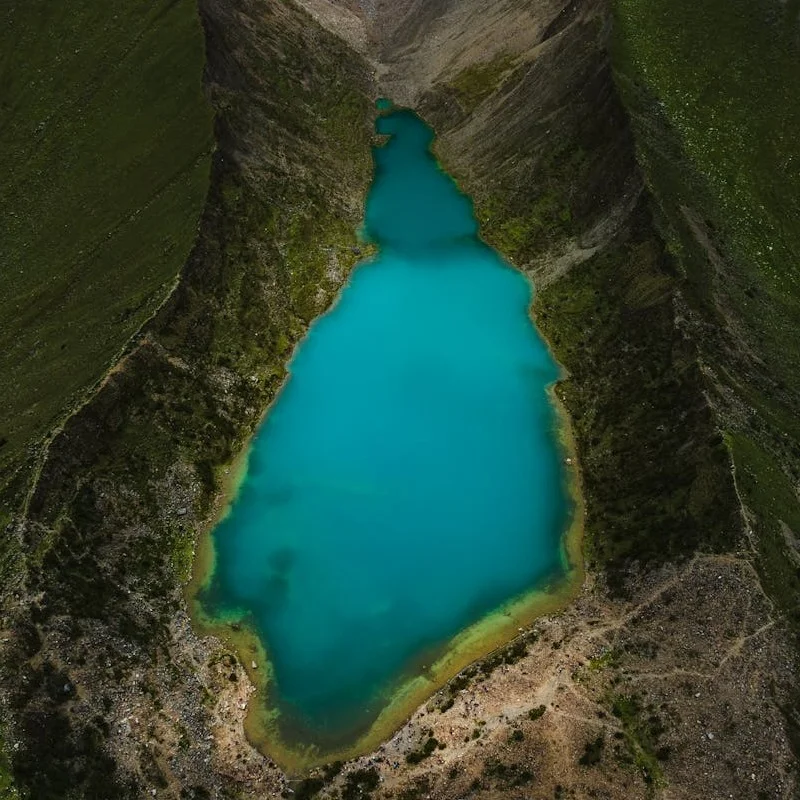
(407, 480)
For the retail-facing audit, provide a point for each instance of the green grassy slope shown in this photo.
(610, 321)
(713, 91)
(106, 138)
(725, 76)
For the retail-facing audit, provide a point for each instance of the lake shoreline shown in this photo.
(472, 644)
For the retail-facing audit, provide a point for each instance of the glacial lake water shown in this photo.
(407, 480)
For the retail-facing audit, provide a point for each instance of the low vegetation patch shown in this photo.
(537, 713)
(475, 83)
(507, 775)
(592, 752)
(359, 785)
(642, 729)
(425, 751)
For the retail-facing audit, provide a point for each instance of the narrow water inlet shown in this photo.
(408, 480)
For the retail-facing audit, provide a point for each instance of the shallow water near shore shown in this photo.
(407, 481)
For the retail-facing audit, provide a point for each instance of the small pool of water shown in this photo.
(408, 479)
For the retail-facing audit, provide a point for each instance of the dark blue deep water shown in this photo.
(407, 480)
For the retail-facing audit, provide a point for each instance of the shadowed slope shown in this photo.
(106, 138)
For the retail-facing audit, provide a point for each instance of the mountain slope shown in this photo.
(105, 691)
(107, 139)
(674, 672)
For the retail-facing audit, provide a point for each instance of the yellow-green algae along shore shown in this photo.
(474, 643)
(489, 455)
